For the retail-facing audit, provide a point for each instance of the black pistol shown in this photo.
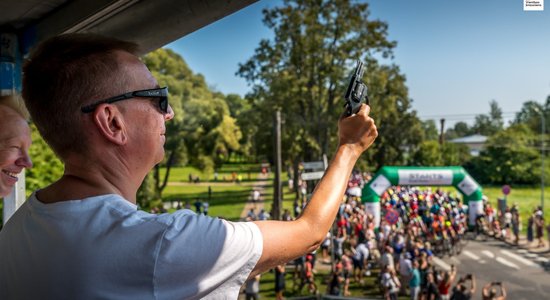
(357, 90)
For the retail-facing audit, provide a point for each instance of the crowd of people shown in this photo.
(506, 224)
(400, 253)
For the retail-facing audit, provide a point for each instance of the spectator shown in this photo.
(255, 195)
(360, 256)
(347, 263)
(530, 223)
(390, 283)
(339, 244)
(15, 140)
(405, 269)
(461, 291)
(205, 206)
(515, 225)
(198, 206)
(414, 282)
(325, 245)
(263, 215)
(507, 221)
(336, 280)
(309, 277)
(539, 227)
(251, 216)
(387, 258)
(444, 285)
(489, 291)
(424, 268)
(431, 292)
(252, 288)
(286, 215)
(280, 281)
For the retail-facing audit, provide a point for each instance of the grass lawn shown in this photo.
(226, 201)
(527, 199)
(248, 171)
(369, 289)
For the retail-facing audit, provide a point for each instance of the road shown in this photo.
(525, 275)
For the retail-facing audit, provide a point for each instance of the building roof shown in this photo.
(471, 139)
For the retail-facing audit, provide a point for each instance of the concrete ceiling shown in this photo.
(151, 23)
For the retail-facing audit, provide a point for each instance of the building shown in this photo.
(476, 143)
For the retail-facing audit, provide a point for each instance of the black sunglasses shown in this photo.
(160, 93)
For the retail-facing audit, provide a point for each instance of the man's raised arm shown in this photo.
(284, 241)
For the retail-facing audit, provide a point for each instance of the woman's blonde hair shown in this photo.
(15, 102)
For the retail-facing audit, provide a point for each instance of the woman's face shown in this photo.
(15, 140)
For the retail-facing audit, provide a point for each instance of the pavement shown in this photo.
(257, 206)
(530, 247)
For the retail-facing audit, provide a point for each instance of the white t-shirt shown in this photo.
(104, 248)
(405, 266)
(388, 282)
(361, 252)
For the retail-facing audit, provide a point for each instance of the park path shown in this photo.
(259, 185)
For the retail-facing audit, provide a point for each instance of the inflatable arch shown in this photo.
(423, 176)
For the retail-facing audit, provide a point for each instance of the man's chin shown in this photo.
(160, 157)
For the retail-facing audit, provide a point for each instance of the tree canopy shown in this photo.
(303, 72)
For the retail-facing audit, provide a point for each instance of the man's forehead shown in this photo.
(136, 70)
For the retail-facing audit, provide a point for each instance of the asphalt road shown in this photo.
(525, 275)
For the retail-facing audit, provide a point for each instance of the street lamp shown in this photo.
(542, 130)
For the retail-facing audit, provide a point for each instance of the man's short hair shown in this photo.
(16, 104)
(64, 73)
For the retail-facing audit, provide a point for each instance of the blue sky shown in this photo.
(456, 55)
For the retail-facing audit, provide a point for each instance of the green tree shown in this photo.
(303, 72)
(241, 110)
(427, 154)
(491, 123)
(455, 154)
(530, 114)
(461, 129)
(509, 157)
(431, 153)
(430, 130)
(202, 131)
(47, 168)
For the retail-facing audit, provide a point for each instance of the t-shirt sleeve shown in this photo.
(205, 258)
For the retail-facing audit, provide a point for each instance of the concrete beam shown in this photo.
(151, 23)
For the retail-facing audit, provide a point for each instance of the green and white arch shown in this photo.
(423, 176)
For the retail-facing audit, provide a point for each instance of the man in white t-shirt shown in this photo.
(103, 113)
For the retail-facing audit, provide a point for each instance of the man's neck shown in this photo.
(84, 179)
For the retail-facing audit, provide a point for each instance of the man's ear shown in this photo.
(110, 123)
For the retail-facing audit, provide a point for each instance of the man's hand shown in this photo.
(357, 131)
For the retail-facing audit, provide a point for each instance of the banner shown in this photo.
(425, 177)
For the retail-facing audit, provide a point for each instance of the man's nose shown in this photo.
(170, 114)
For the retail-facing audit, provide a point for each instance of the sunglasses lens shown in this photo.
(163, 103)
